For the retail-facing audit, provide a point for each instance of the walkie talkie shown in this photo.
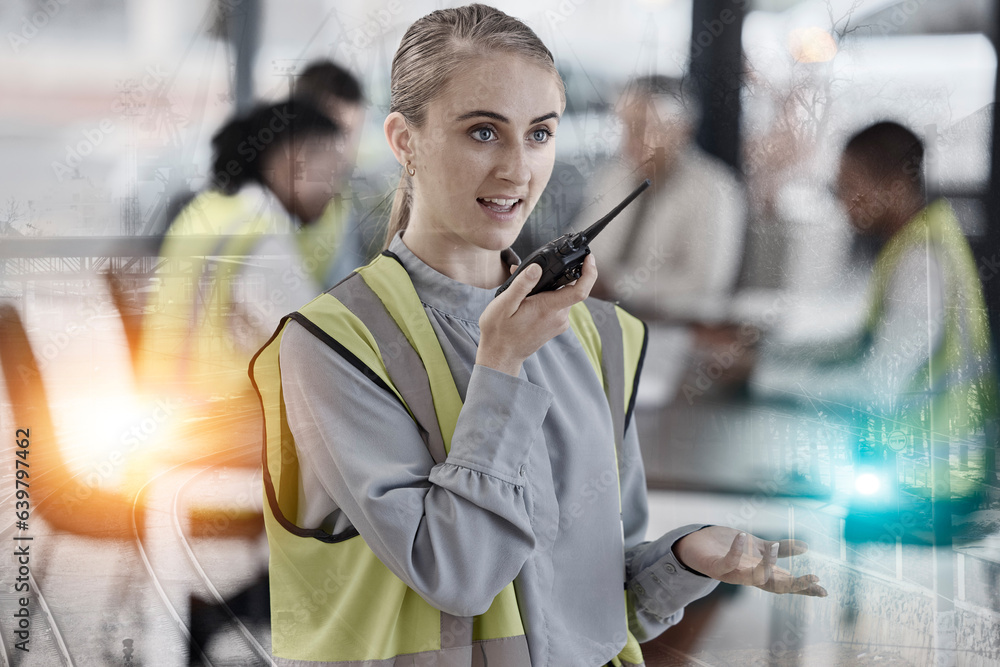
(562, 259)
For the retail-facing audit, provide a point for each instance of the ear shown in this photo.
(400, 139)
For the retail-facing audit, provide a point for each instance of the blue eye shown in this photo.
(483, 134)
(541, 135)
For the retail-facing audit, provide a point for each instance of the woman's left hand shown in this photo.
(737, 557)
(514, 325)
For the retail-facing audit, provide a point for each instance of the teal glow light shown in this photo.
(867, 484)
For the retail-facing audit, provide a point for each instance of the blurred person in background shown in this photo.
(337, 93)
(270, 234)
(921, 367)
(230, 264)
(674, 255)
(679, 244)
(340, 240)
(281, 169)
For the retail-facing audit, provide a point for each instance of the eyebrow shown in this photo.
(480, 113)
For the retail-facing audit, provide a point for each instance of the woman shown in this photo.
(447, 480)
(272, 174)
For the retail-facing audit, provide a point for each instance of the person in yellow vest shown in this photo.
(453, 478)
(230, 265)
(920, 368)
(184, 346)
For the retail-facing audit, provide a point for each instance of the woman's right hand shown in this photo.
(515, 325)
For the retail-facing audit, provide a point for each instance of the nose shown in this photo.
(514, 166)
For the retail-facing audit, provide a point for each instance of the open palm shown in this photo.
(737, 557)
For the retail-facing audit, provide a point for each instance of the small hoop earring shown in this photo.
(409, 170)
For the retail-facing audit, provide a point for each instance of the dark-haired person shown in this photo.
(230, 262)
(920, 368)
(343, 235)
(334, 91)
(230, 266)
(453, 478)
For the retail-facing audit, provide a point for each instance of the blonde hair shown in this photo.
(433, 48)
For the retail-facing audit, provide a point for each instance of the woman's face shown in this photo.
(485, 152)
(305, 183)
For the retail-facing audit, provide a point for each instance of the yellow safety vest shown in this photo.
(320, 241)
(185, 342)
(332, 599)
(954, 395)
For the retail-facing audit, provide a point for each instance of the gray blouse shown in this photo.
(528, 492)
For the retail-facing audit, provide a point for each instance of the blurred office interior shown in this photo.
(107, 109)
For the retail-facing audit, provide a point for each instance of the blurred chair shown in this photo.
(58, 495)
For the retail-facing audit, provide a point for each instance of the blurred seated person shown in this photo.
(678, 245)
(921, 365)
(230, 265)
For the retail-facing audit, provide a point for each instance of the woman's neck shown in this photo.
(459, 261)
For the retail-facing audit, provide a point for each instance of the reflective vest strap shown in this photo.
(391, 284)
(609, 333)
(401, 361)
(618, 339)
(326, 315)
(455, 631)
(633, 336)
(506, 652)
(582, 322)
